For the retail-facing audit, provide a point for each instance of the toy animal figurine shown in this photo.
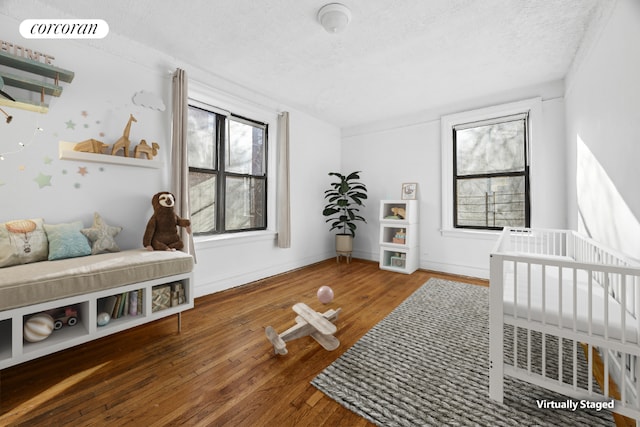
(308, 322)
(399, 212)
(123, 142)
(90, 146)
(161, 233)
(144, 148)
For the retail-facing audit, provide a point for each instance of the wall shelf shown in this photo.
(66, 152)
(30, 84)
(35, 67)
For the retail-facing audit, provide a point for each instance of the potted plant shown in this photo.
(344, 201)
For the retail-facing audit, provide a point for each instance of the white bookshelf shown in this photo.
(399, 238)
(14, 349)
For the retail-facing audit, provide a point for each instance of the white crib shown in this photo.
(556, 288)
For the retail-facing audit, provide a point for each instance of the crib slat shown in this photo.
(560, 360)
(544, 355)
(636, 308)
(529, 317)
(544, 295)
(575, 300)
(515, 290)
(529, 350)
(623, 309)
(606, 306)
(590, 302)
(590, 365)
(560, 297)
(575, 364)
(515, 346)
(623, 380)
(606, 374)
(529, 292)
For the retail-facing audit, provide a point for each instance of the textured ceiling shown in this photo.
(397, 57)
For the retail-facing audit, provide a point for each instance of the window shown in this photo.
(490, 173)
(486, 160)
(227, 172)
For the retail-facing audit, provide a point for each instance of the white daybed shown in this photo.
(551, 290)
(85, 283)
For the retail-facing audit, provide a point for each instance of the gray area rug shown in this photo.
(426, 364)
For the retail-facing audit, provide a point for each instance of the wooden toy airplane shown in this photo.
(308, 322)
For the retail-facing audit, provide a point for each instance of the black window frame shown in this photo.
(221, 174)
(523, 173)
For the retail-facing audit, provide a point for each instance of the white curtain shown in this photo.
(179, 159)
(283, 203)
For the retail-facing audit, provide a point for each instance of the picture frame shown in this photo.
(409, 190)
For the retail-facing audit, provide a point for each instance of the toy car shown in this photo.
(66, 316)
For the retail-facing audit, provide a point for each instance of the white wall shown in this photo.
(603, 134)
(96, 104)
(409, 150)
(107, 74)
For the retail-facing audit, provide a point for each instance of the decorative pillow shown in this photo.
(101, 236)
(66, 241)
(22, 241)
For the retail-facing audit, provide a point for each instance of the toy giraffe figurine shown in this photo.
(124, 142)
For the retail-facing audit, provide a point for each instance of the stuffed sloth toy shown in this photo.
(161, 233)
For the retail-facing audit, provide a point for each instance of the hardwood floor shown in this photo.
(221, 370)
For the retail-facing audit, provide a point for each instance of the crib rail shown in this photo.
(552, 290)
(533, 241)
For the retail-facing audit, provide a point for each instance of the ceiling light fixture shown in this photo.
(334, 17)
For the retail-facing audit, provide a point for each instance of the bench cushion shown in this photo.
(27, 284)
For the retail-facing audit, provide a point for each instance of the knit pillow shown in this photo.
(66, 241)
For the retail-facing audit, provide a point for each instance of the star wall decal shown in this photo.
(70, 124)
(82, 170)
(47, 160)
(43, 180)
(84, 114)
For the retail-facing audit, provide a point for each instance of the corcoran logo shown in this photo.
(64, 28)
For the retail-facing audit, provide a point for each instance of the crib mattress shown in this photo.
(22, 285)
(557, 308)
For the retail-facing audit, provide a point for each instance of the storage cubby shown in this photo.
(6, 337)
(168, 295)
(402, 236)
(399, 249)
(121, 307)
(389, 210)
(72, 320)
(398, 260)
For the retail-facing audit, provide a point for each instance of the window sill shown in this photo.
(470, 234)
(206, 242)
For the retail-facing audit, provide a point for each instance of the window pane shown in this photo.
(245, 203)
(245, 152)
(491, 148)
(201, 137)
(202, 196)
(491, 202)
